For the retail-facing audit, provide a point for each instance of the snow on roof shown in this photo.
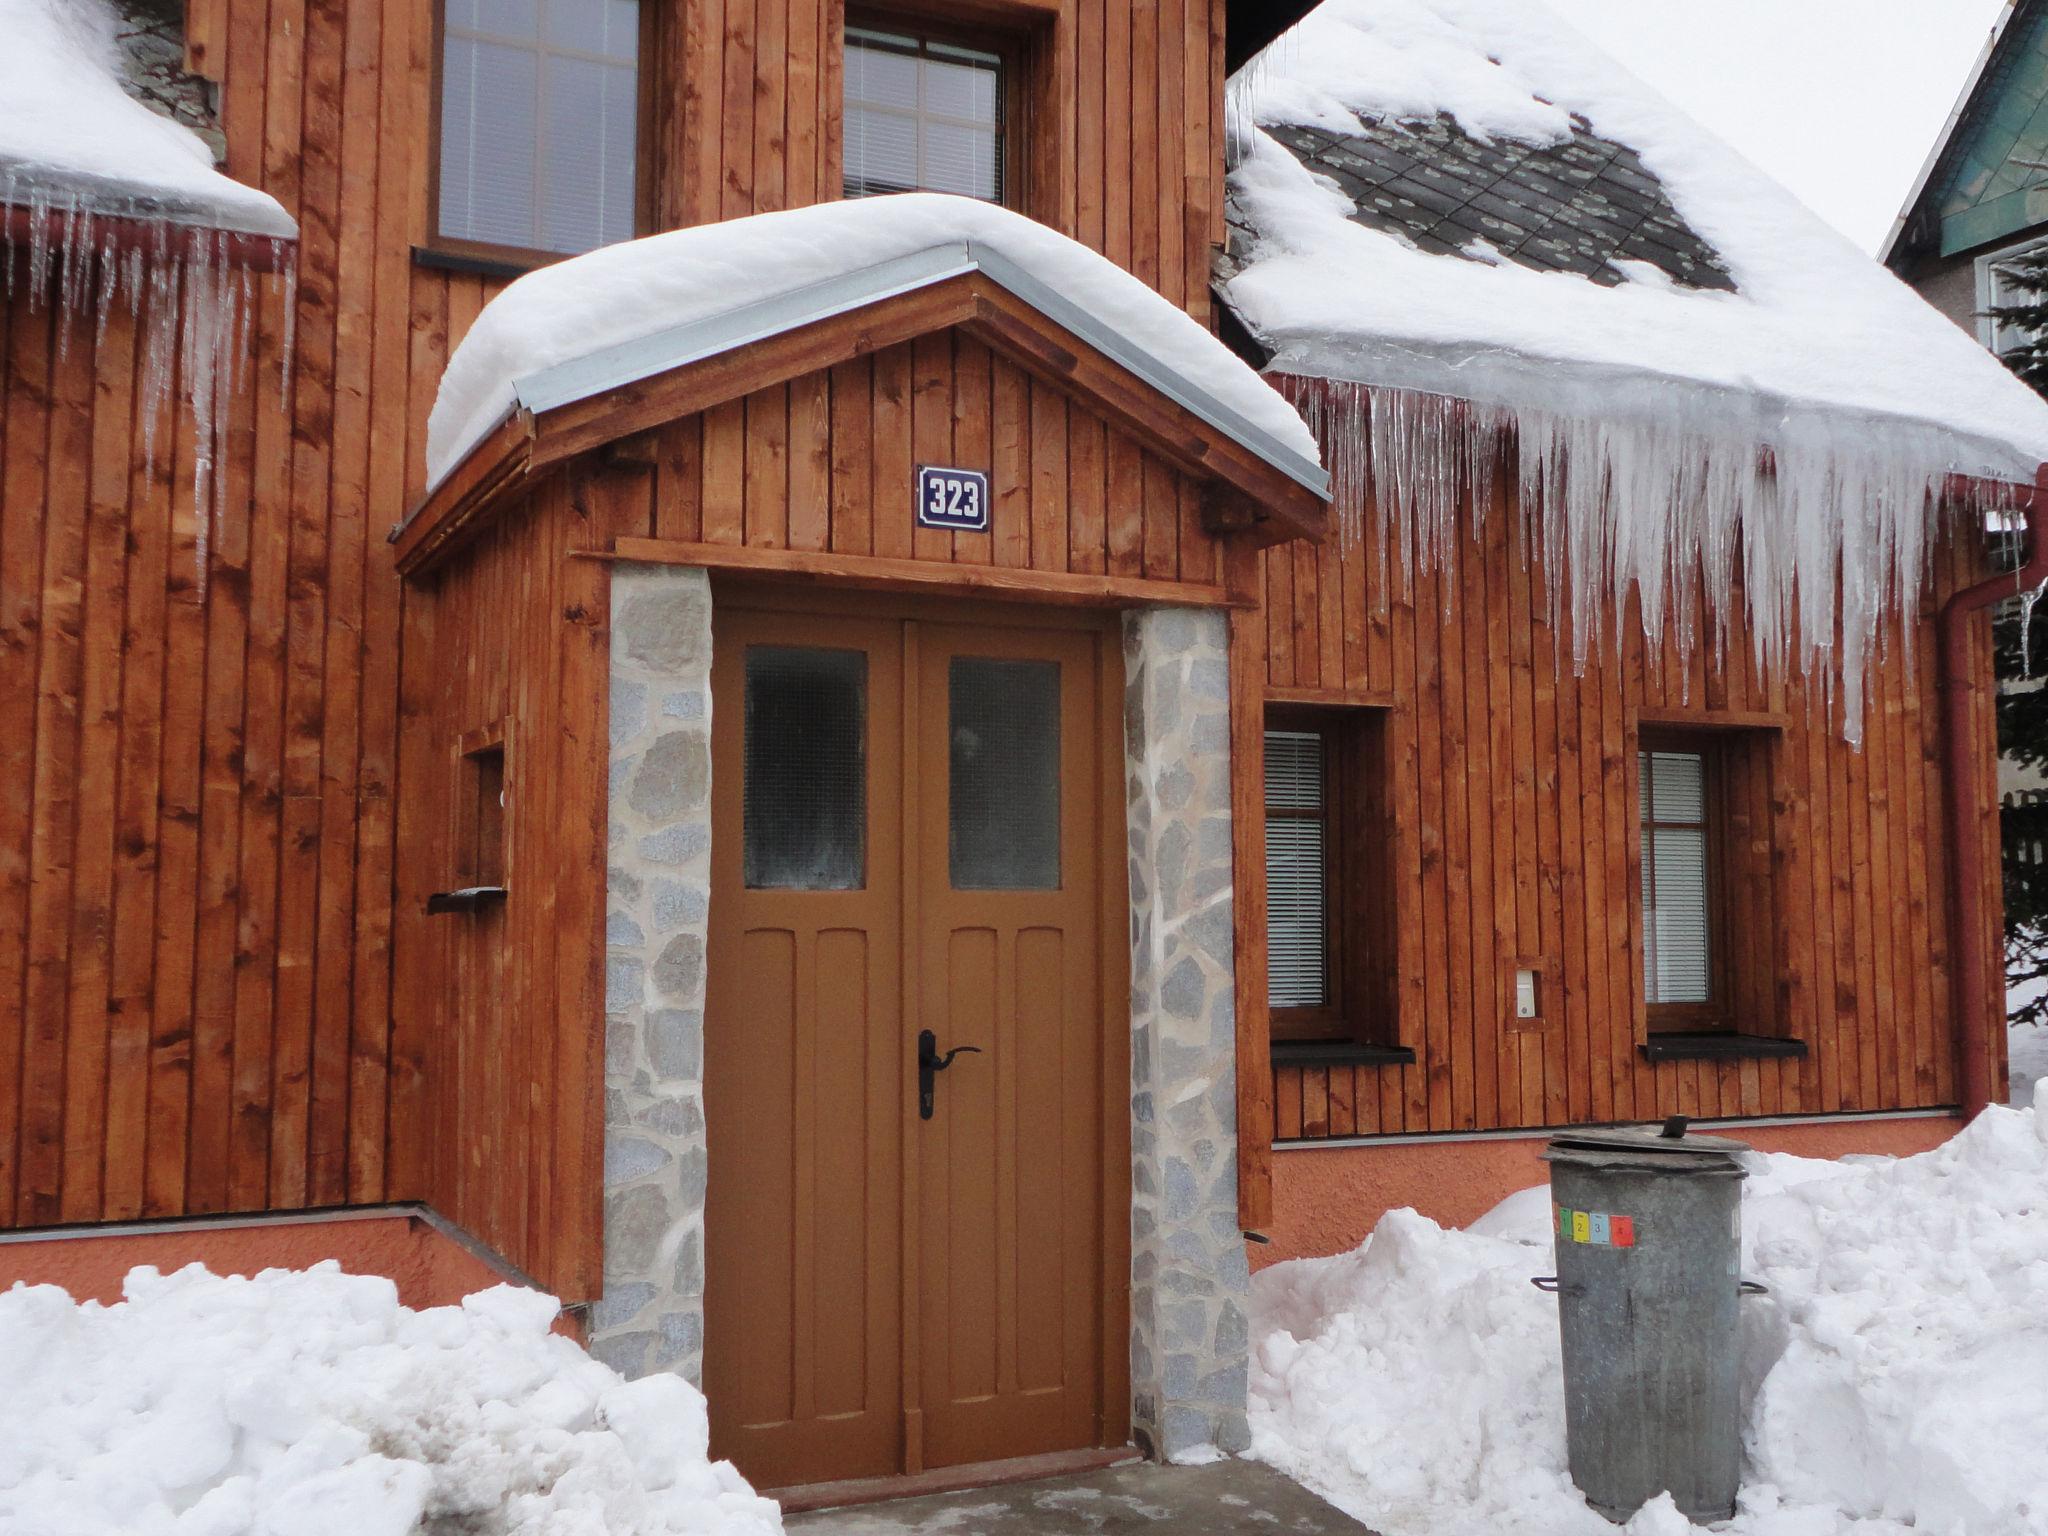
(1815, 331)
(641, 289)
(70, 137)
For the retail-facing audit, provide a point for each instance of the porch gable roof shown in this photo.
(1260, 485)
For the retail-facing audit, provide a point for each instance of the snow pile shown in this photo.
(1896, 1378)
(636, 289)
(1817, 411)
(312, 1404)
(71, 137)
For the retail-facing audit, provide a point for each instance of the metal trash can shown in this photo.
(1648, 1231)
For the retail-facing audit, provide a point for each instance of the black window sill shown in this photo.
(1718, 1047)
(477, 266)
(1339, 1053)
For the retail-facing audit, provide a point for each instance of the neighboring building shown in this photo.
(1980, 201)
(1982, 197)
(819, 641)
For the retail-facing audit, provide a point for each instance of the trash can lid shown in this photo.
(1671, 1136)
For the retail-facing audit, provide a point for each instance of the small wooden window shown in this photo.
(481, 856)
(1301, 916)
(927, 112)
(1677, 877)
(538, 123)
(1329, 937)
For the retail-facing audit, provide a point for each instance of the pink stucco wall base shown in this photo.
(1327, 1199)
(430, 1267)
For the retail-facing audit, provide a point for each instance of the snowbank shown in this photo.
(1817, 327)
(1896, 1379)
(624, 292)
(312, 1404)
(69, 132)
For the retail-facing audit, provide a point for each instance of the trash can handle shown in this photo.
(1553, 1286)
(1753, 1288)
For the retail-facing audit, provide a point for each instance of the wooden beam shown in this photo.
(872, 573)
(1336, 698)
(1177, 434)
(1255, 1090)
(1714, 720)
(458, 506)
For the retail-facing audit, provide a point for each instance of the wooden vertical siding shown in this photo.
(1124, 120)
(1510, 808)
(208, 994)
(506, 1004)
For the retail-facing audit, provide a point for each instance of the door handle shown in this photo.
(930, 1063)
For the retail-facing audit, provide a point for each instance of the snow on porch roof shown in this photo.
(72, 141)
(628, 311)
(1432, 204)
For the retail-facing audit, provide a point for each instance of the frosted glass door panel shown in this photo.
(1004, 822)
(805, 790)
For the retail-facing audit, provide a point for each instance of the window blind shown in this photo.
(1676, 943)
(921, 116)
(1297, 936)
(539, 108)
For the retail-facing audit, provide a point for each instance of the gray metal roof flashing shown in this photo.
(693, 341)
(58, 192)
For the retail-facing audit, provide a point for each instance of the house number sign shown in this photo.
(952, 498)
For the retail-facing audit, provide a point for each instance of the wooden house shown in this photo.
(841, 786)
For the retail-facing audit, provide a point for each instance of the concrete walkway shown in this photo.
(1222, 1499)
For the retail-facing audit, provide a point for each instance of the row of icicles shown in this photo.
(1831, 535)
(201, 313)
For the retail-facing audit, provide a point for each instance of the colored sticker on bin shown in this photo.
(1598, 1229)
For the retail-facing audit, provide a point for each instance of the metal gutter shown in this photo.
(1976, 999)
(694, 341)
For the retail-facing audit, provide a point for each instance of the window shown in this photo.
(538, 120)
(1677, 877)
(1996, 287)
(1329, 935)
(925, 114)
(1297, 872)
(480, 809)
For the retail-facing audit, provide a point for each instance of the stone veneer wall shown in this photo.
(658, 866)
(1190, 1283)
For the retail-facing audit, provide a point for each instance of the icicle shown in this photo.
(38, 245)
(110, 279)
(288, 260)
(1819, 541)
(2027, 601)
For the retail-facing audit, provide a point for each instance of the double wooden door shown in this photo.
(909, 1265)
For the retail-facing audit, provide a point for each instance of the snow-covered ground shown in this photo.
(310, 1403)
(1896, 1379)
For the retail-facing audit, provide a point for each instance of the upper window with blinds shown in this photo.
(539, 111)
(1297, 874)
(923, 115)
(1677, 877)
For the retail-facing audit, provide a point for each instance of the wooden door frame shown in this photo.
(745, 594)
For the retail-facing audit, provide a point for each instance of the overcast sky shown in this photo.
(1838, 99)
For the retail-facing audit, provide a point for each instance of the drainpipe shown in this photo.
(1975, 1001)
